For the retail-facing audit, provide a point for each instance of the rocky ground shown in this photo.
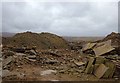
(93, 61)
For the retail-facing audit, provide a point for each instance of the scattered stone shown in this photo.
(32, 57)
(31, 52)
(95, 67)
(47, 72)
(79, 63)
(100, 71)
(31, 60)
(7, 61)
(89, 64)
(103, 48)
(6, 73)
(20, 54)
(54, 54)
(90, 71)
(7, 54)
(46, 55)
(21, 75)
(62, 71)
(99, 60)
(51, 61)
(109, 73)
(88, 46)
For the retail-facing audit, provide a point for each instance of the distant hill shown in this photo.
(41, 41)
(7, 34)
(79, 39)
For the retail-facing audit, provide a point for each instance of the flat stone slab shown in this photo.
(100, 71)
(7, 61)
(103, 48)
(32, 60)
(88, 46)
(20, 54)
(89, 65)
(79, 63)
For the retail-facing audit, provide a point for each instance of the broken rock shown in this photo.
(32, 57)
(95, 67)
(100, 71)
(100, 60)
(20, 54)
(89, 65)
(31, 52)
(31, 60)
(47, 72)
(51, 61)
(7, 61)
(103, 48)
(6, 73)
(88, 46)
(79, 63)
(110, 71)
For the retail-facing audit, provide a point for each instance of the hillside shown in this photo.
(114, 37)
(40, 41)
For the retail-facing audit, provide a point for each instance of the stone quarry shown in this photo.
(48, 57)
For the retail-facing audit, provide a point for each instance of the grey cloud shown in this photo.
(63, 18)
(119, 16)
(0, 17)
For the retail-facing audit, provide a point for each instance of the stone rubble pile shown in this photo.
(100, 59)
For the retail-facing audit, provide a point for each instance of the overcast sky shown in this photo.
(61, 18)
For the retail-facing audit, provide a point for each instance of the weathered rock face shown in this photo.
(40, 41)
